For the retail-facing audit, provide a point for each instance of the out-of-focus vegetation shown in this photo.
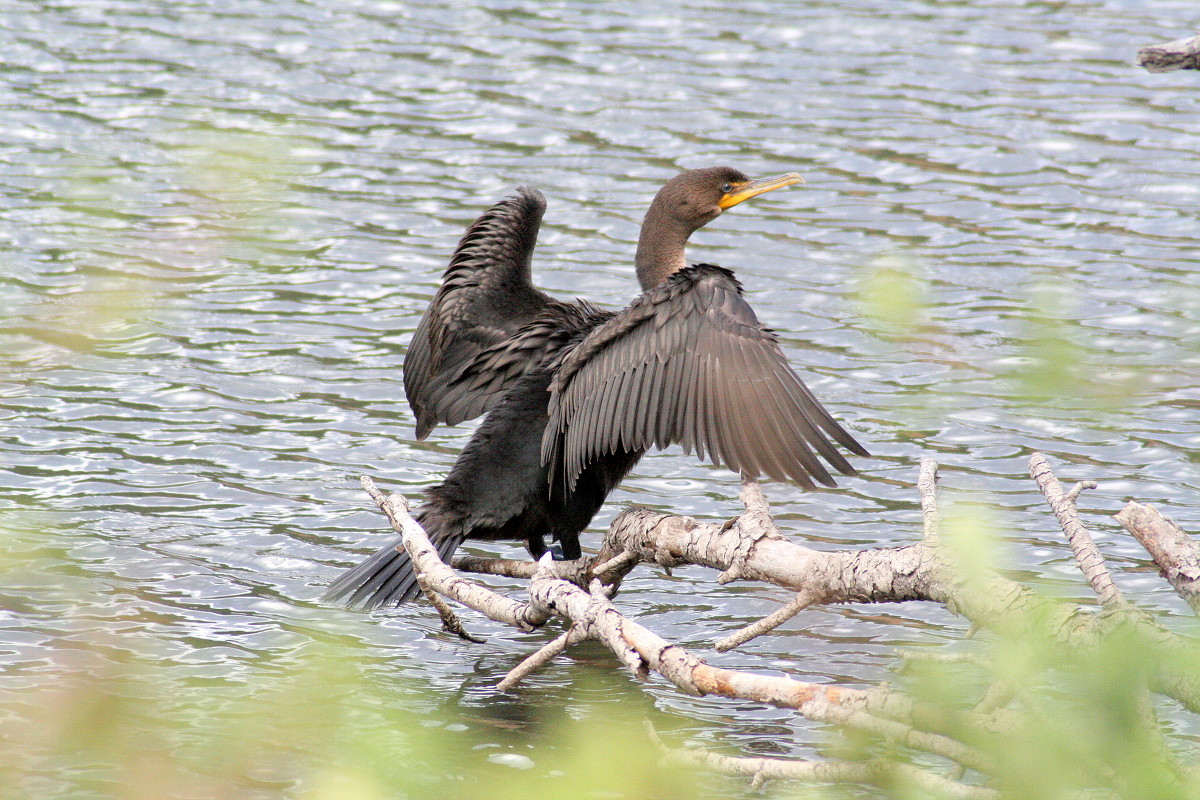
(1051, 353)
(1079, 721)
(1057, 360)
(121, 727)
(894, 298)
(1072, 723)
(1081, 724)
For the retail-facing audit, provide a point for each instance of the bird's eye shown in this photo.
(727, 188)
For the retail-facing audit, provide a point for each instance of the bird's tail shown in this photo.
(387, 576)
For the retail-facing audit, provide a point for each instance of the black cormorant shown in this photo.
(575, 395)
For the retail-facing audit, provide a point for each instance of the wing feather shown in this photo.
(688, 362)
(690, 414)
(720, 387)
(649, 393)
(666, 424)
(486, 296)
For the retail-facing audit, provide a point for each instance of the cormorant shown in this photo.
(575, 395)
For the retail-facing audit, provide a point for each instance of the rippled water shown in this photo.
(221, 222)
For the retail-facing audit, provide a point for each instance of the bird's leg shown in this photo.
(566, 549)
(537, 547)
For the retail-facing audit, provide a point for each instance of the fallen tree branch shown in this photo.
(441, 577)
(752, 548)
(1170, 56)
(544, 655)
(506, 567)
(801, 601)
(1087, 555)
(450, 621)
(881, 712)
(760, 770)
(927, 488)
(1176, 553)
(643, 651)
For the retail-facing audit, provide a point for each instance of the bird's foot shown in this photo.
(558, 553)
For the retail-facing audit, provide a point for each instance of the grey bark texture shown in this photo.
(1170, 56)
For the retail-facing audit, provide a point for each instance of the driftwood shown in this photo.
(752, 548)
(1177, 555)
(1170, 56)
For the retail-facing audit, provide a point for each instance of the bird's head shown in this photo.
(687, 202)
(698, 196)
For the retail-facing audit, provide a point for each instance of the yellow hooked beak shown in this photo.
(744, 191)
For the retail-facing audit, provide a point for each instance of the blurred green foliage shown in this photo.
(1082, 724)
(892, 296)
(110, 725)
(1082, 721)
(1049, 353)
(1057, 360)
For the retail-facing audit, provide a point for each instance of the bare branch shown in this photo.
(997, 696)
(1176, 553)
(1087, 555)
(505, 567)
(752, 526)
(450, 620)
(440, 576)
(644, 650)
(927, 488)
(867, 773)
(752, 548)
(616, 562)
(933, 657)
(756, 503)
(1170, 56)
(757, 523)
(900, 574)
(768, 623)
(542, 656)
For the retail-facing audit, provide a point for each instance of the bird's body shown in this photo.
(575, 395)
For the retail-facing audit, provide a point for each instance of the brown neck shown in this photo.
(660, 250)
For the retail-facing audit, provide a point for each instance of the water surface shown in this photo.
(221, 222)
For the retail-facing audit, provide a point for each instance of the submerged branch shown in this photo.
(544, 655)
(760, 770)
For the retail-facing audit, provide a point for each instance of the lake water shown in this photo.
(222, 221)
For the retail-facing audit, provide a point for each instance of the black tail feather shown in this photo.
(385, 578)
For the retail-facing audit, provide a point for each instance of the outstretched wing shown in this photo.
(688, 362)
(486, 296)
(489, 374)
